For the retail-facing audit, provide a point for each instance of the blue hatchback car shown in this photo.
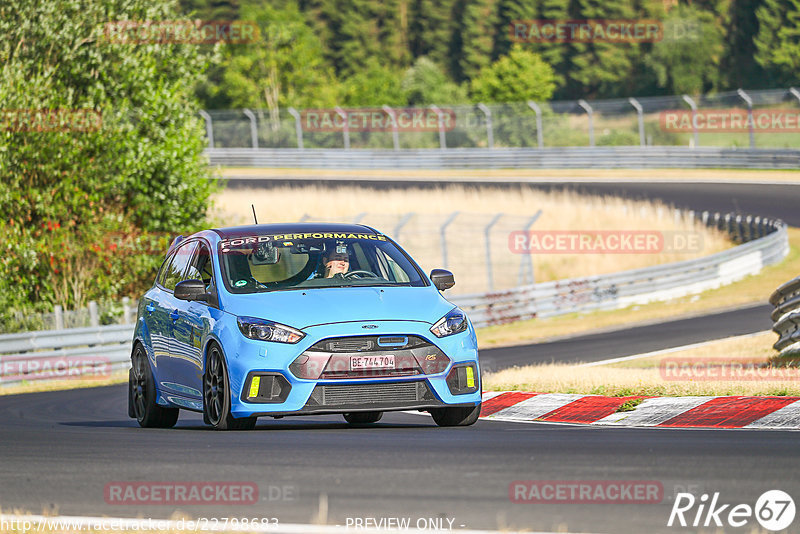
(299, 319)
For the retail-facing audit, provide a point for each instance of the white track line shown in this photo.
(670, 350)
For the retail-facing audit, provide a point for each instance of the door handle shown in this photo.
(174, 315)
(150, 308)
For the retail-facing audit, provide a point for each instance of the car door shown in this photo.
(155, 317)
(168, 311)
(194, 321)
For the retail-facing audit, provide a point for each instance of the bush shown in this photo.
(86, 206)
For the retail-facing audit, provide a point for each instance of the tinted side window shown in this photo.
(174, 273)
(162, 273)
(201, 267)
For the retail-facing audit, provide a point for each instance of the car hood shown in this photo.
(311, 307)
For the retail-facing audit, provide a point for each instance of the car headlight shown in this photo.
(264, 330)
(454, 322)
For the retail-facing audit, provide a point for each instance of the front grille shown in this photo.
(367, 394)
(369, 343)
(350, 345)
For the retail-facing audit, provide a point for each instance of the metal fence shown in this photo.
(105, 313)
(93, 352)
(786, 317)
(640, 286)
(509, 158)
(615, 122)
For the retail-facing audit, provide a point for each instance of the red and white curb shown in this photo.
(781, 413)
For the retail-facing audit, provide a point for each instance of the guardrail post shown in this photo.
(253, 127)
(640, 116)
(442, 137)
(487, 233)
(795, 93)
(539, 134)
(209, 127)
(690, 101)
(705, 218)
(94, 316)
(395, 137)
(298, 127)
(527, 261)
(442, 232)
(750, 124)
(403, 221)
(126, 310)
(346, 130)
(589, 112)
(489, 130)
(58, 313)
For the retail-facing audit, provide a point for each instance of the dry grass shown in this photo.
(751, 290)
(117, 377)
(644, 376)
(466, 245)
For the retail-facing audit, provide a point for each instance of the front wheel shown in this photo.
(217, 397)
(363, 418)
(456, 416)
(142, 395)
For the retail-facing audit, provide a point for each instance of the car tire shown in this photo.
(217, 397)
(456, 416)
(142, 404)
(363, 418)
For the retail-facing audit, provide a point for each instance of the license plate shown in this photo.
(358, 363)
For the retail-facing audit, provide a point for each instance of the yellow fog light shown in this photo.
(254, 384)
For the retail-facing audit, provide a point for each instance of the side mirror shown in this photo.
(442, 279)
(191, 290)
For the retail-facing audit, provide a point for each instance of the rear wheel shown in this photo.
(363, 418)
(142, 395)
(456, 416)
(217, 397)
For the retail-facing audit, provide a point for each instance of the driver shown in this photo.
(336, 261)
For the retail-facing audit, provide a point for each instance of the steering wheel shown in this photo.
(362, 274)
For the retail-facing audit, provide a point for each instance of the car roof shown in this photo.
(293, 228)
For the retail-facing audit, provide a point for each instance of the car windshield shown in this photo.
(276, 262)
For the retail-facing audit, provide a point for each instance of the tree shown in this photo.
(284, 68)
(476, 29)
(425, 83)
(778, 40)
(687, 60)
(518, 77)
(83, 200)
(375, 85)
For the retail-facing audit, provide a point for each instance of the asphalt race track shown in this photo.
(59, 450)
(637, 340)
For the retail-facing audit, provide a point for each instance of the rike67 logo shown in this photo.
(774, 510)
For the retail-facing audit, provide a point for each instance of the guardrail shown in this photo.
(98, 351)
(93, 352)
(508, 158)
(786, 317)
(765, 242)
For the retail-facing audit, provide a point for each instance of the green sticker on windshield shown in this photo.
(240, 283)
